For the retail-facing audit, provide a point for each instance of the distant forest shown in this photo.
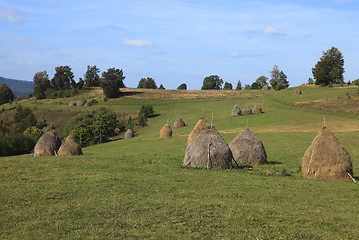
(19, 87)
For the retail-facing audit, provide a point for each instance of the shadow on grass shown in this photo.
(273, 163)
(124, 94)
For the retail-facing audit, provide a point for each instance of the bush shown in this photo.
(183, 86)
(94, 127)
(147, 110)
(15, 143)
(330, 85)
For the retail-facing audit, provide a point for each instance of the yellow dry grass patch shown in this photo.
(141, 93)
(335, 126)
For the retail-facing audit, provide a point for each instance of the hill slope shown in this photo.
(19, 87)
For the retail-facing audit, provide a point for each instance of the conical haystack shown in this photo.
(265, 87)
(246, 111)
(129, 134)
(201, 125)
(208, 150)
(297, 91)
(72, 104)
(47, 145)
(79, 103)
(247, 148)
(166, 131)
(70, 147)
(257, 109)
(179, 123)
(327, 159)
(236, 111)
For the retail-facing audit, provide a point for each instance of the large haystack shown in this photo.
(166, 131)
(265, 87)
(201, 125)
(208, 150)
(247, 148)
(327, 159)
(236, 111)
(70, 147)
(297, 91)
(129, 134)
(246, 111)
(47, 145)
(257, 109)
(179, 123)
(79, 103)
(72, 104)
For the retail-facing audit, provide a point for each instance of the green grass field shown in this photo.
(137, 189)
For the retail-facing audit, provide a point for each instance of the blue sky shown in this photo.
(178, 41)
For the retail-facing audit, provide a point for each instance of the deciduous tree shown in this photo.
(6, 94)
(227, 86)
(212, 82)
(41, 84)
(91, 77)
(111, 82)
(63, 78)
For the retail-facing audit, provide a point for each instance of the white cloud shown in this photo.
(273, 31)
(138, 43)
(10, 15)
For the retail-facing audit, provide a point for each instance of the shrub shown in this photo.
(147, 110)
(15, 143)
(330, 85)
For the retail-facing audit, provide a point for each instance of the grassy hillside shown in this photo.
(137, 189)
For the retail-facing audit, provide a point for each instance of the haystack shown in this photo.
(87, 104)
(80, 103)
(265, 87)
(166, 131)
(47, 145)
(327, 159)
(257, 109)
(236, 111)
(179, 123)
(208, 150)
(201, 125)
(247, 148)
(246, 111)
(72, 104)
(129, 134)
(297, 91)
(69, 147)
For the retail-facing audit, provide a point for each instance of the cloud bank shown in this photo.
(138, 43)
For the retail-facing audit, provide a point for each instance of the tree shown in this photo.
(255, 85)
(41, 84)
(111, 82)
(330, 68)
(261, 81)
(6, 94)
(310, 81)
(212, 82)
(147, 83)
(227, 86)
(63, 78)
(239, 85)
(161, 87)
(24, 118)
(278, 77)
(81, 83)
(91, 77)
(183, 86)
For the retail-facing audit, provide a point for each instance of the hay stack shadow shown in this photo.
(327, 159)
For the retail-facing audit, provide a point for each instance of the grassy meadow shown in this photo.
(137, 188)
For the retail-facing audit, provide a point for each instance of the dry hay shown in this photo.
(166, 131)
(70, 147)
(246, 111)
(236, 111)
(179, 123)
(47, 145)
(80, 103)
(129, 134)
(201, 125)
(326, 158)
(297, 91)
(208, 150)
(265, 87)
(72, 104)
(247, 148)
(257, 109)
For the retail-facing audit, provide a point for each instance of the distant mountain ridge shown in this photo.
(19, 87)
